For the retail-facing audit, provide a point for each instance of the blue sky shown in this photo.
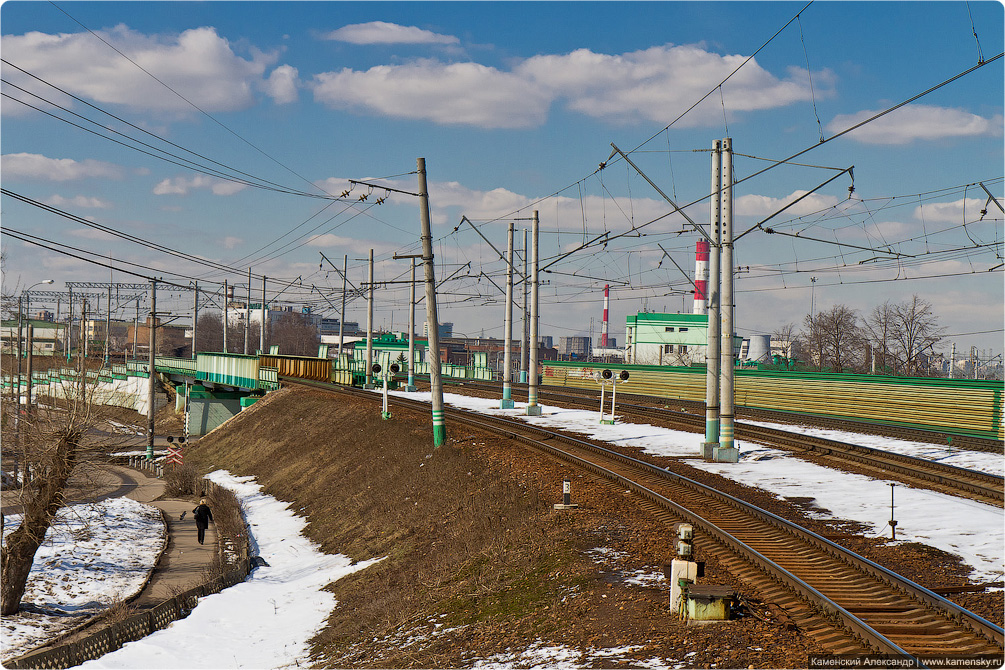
(514, 106)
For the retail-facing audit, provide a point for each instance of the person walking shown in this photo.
(203, 516)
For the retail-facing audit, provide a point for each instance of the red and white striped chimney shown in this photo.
(701, 278)
(603, 327)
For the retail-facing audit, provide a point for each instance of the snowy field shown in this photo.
(971, 530)
(93, 556)
(264, 622)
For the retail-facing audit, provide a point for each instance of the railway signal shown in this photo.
(176, 454)
(392, 370)
(608, 377)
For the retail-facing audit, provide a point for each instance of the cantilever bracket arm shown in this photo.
(805, 195)
(665, 196)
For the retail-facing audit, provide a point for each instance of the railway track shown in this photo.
(918, 472)
(960, 442)
(847, 603)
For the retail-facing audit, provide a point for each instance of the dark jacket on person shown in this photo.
(202, 516)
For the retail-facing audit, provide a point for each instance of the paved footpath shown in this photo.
(185, 562)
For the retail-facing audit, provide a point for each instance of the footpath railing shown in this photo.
(109, 638)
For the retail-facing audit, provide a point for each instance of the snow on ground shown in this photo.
(960, 458)
(971, 530)
(264, 622)
(539, 656)
(94, 555)
(281, 606)
(124, 429)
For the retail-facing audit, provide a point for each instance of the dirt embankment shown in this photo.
(479, 565)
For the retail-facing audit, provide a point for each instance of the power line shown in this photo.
(253, 181)
(44, 243)
(125, 236)
(189, 102)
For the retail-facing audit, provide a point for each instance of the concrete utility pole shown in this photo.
(435, 381)
(507, 399)
(69, 323)
(20, 326)
(526, 316)
(195, 320)
(533, 409)
(712, 332)
(247, 315)
(226, 316)
(151, 387)
(952, 363)
(341, 320)
(369, 326)
(726, 451)
(136, 327)
(261, 324)
(31, 345)
(411, 320)
(411, 330)
(108, 321)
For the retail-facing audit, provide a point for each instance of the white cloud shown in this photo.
(231, 242)
(348, 244)
(953, 212)
(198, 64)
(182, 185)
(659, 83)
(454, 94)
(763, 205)
(380, 32)
(281, 85)
(655, 84)
(916, 122)
(80, 201)
(37, 166)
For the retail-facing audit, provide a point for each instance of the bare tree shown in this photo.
(211, 334)
(210, 329)
(787, 338)
(917, 330)
(835, 339)
(50, 448)
(881, 328)
(295, 335)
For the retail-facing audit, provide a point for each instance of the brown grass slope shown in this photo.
(478, 563)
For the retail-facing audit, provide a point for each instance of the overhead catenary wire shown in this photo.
(222, 173)
(186, 100)
(125, 236)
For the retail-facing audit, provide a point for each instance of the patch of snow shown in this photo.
(264, 622)
(93, 555)
(974, 531)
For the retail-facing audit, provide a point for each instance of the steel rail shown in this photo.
(949, 612)
(972, 484)
(963, 442)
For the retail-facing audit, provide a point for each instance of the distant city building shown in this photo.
(445, 330)
(238, 312)
(331, 327)
(577, 346)
(47, 337)
(669, 339)
(546, 341)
